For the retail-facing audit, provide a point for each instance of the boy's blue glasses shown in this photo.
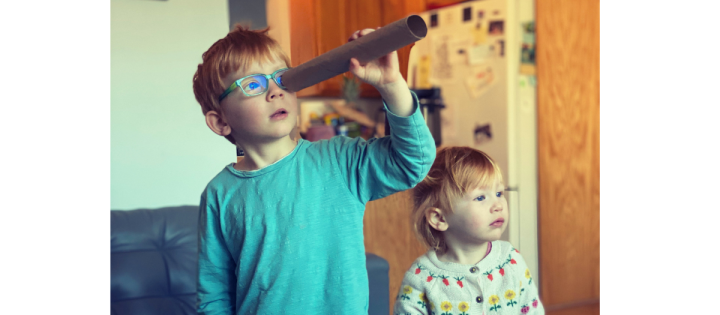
(256, 84)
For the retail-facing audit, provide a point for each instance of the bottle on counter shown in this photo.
(342, 130)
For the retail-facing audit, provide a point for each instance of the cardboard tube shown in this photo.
(372, 46)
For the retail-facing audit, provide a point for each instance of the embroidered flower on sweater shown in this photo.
(493, 300)
(444, 280)
(510, 260)
(510, 295)
(423, 300)
(463, 307)
(459, 281)
(525, 309)
(447, 307)
(502, 271)
(406, 290)
(527, 275)
(489, 274)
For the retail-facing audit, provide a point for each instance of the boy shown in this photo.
(281, 231)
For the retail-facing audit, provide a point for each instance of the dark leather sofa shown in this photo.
(153, 263)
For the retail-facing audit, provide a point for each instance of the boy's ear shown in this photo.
(217, 124)
(436, 219)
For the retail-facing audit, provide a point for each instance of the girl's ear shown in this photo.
(436, 219)
(217, 124)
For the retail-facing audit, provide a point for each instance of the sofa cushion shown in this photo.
(153, 263)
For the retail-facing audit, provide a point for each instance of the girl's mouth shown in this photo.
(498, 223)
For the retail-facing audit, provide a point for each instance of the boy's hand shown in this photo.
(384, 74)
(378, 72)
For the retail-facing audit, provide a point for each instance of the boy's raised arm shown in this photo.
(377, 168)
(216, 267)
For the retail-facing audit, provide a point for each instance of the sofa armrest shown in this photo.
(378, 280)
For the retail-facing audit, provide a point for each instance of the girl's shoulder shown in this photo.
(421, 263)
(504, 247)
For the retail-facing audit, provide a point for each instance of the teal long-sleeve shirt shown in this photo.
(288, 238)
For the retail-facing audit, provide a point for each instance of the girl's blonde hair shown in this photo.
(456, 170)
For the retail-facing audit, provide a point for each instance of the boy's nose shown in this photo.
(274, 92)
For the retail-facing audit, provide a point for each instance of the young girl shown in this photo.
(460, 213)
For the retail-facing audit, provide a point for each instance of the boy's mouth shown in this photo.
(280, 113)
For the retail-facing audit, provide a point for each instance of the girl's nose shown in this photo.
(497, 206)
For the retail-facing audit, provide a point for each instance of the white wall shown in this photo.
(162, 153)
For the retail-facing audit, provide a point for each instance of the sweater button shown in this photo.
(473, 269)
(479, 299)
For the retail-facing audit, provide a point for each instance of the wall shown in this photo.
(568, 67)
(162, 153)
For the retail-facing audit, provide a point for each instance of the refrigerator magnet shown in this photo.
(496, 28)
(467, 14)
(482, 134)
(434, 20)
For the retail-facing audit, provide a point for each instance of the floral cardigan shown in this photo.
(499, 284)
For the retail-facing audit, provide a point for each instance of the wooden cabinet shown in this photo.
(318, 26)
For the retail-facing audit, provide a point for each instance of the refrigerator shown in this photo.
(464, 56)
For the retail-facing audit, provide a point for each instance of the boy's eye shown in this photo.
(481, 198)
(251, 85)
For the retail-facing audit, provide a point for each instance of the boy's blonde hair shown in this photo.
(456, 171)
(240, 49)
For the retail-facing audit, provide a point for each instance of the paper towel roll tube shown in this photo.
(372, 46)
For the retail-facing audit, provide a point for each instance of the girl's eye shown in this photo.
(481, 198)
(499, 194)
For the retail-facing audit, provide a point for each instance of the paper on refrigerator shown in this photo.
(480, 80)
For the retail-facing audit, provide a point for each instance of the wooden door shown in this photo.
(568, 83)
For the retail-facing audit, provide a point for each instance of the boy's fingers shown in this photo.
(354, 36)
(366, 31)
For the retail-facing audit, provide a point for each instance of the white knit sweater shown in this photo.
(499, 284)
